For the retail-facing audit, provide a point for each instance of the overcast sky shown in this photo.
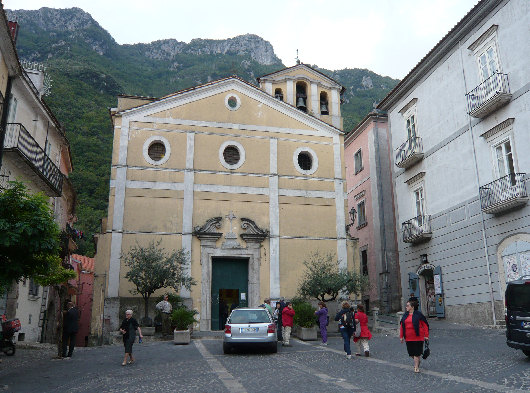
(388, 37)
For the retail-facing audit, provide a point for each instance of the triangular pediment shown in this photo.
(208, 104)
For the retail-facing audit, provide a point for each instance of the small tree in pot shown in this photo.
(304, 318)
(151, 268)
(182, 318)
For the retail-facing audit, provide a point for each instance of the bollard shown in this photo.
(375, 313)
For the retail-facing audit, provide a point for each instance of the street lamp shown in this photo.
(352, 214)
(423, 258)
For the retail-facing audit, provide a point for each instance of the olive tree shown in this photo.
(323, 280)
(152, 268)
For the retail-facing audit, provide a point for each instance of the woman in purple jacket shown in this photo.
(322, 315)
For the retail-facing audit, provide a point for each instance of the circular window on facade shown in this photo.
(156, 150)
(232, 102)
(231, 155)
(305, 160)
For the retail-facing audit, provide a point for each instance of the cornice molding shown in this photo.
(483, 38)
(415, 178)
(499, 127)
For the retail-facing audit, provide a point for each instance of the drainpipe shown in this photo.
(3, 121)
(483, 229)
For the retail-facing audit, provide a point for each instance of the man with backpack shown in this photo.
(346, 319)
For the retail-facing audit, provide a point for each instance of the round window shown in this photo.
(232, 102)
(305, 161)
(156, 151)
(231, 155)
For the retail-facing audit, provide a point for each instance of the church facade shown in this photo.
(250, 181)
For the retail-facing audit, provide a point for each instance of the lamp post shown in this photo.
(352, 213)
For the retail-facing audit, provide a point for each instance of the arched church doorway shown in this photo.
(426, 285)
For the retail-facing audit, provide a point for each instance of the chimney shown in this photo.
(13, 29)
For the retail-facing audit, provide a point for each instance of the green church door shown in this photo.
(229, 288)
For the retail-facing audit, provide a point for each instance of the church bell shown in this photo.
(300, 103)
(324, 108)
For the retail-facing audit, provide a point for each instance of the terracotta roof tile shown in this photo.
(86, 263)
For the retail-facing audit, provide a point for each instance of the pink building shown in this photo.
(84, 296)
(370, 193)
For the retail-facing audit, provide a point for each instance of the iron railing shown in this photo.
(493, 87)
(18, 138)
(506, 192)
(412, 146)
(417, 229)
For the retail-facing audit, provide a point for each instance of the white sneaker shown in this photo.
(348, 356)
(323, 343)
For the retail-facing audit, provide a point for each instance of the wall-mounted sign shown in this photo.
(437, 285)
(243, 296)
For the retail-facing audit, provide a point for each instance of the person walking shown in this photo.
(362, 341)
(128, 329)
(278, 319)
(346, 319)
(165, 308)
(322, 316)
(414, 329)
(70, 328)
(287, 322)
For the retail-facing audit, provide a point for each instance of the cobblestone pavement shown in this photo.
(463, 359)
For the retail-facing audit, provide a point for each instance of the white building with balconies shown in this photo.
(460, 131)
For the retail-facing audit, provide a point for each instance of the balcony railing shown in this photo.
(19, 140)
(504, 194)
(417, 229)
(409, 152)
(491, 94)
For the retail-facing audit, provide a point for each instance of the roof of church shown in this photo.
(217, 81)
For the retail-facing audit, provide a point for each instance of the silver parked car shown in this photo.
(253, 327)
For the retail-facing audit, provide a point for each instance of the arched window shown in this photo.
(301, 96)
(278, 94)
(324, 105)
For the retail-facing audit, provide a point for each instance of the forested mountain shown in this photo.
(89, 69)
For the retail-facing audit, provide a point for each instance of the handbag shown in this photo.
(357, 332)
(426, 350)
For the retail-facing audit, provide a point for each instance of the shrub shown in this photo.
(182, 318)
(304, 314)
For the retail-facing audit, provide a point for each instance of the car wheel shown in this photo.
(273, 348)
(9, 350)
(226, 348)
(526, 352)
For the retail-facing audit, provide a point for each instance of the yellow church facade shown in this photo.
(250, 181)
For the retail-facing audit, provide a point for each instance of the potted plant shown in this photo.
(304, 319)
(181, 319)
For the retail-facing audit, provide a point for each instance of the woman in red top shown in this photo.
(414, 329)
(362, 340)
(287, 321)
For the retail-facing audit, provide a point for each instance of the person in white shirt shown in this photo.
(165, 308)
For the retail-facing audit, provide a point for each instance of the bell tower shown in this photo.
(309, 90)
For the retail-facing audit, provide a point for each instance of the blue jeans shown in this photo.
(346, 332)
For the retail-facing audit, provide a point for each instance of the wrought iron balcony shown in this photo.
(491, 94)
(18, 141)
(417, 229)
(504, 194)
(409, 152)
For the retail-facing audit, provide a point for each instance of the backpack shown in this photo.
(348, 319)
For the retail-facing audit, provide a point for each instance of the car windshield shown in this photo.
(249, 316)
(518, 297)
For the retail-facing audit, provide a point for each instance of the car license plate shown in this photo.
(525, 325)
(249, 330)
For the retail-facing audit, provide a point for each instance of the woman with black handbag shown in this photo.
(414, 329)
